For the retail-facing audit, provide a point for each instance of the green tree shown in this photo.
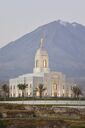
(22, 87)
(40, 89)
(5, 89)
(76, 91)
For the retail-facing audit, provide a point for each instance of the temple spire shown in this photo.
(41, 42)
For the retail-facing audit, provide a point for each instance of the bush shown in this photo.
(14, 106)
(0, 115)
(2, 124)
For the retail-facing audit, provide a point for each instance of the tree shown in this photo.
(76, 91)
(40, 89)
(22, 87)
(5, 89)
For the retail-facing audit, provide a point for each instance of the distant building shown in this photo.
(54, 82)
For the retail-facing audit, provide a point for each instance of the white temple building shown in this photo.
(54, 82)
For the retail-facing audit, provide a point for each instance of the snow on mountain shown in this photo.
(65, 43)
(62, 23)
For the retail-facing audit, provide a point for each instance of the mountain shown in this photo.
(65, 43)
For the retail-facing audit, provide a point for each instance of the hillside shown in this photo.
(65, 43)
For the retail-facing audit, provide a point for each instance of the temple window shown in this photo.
(55, 86)
(30, 85)
(19, 94)
(14, 94)
(27, 93)
(45, 64)
(14, 86)
(11, 87)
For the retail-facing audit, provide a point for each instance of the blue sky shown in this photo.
(18, 17)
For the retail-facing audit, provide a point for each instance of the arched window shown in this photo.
(30, 85)
(55, 86)
(11, 87)
(19, 95)
(45, 64)
(14, 95)
(14, 86)
(27, 93)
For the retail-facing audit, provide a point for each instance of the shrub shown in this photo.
(0, 115)
(14, 106)
(2, 124)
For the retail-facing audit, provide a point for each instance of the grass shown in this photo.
(37, 98)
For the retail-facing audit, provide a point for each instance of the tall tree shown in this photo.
(40, 89)
(5, 89)
(22, 87)
(76, 91)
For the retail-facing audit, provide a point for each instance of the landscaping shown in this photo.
(40, 116)
(37, 98)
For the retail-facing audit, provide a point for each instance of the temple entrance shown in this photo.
(54, 89)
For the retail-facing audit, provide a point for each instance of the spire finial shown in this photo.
(41, 43)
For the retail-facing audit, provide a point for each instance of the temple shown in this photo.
(54, 82)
